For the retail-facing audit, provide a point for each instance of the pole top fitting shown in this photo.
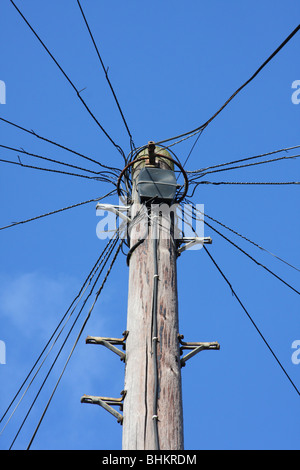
(151, 152)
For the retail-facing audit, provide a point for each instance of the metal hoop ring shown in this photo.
(186, 182)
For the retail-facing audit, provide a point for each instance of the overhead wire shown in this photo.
(111, 244)
(252, 321)
(201, 128)
(196, 180)
(105, 70)
(192, 149)
(193, 132)
(75, 343)
(69, 81)
(75, 302)
(246, 238)
(251, 257)
(262, 183)
(52, 142)
(189, 154)
(58, 162)
(272, 160)
(99, 262)
(201, 170)
(51, 170)
(13, 224)
(249, 183)
(247, 313)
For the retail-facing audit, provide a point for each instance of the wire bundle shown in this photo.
(65, 326)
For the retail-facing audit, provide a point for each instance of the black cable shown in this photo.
(69, 81)
(83, 288)
(253, 323)
(106, 76)
(203, 126)
(103, 173)
(134, 221)
(245, 165)
(58, 210)
(193, 147)
(133, 153)
(32, 132)
(263, 183)
(19, 163)
(245, 238)
(201, 170)
(249, 183)
(189, 154)
(193, 180)
(129, 254)
(251, 257)
(24, 420)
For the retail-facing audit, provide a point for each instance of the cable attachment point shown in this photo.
(118, 210)
(151, 152)
(107, 403)
(189, 242)
(194, 348)
(110, 343)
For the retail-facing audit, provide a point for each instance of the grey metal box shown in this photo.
(157, 184)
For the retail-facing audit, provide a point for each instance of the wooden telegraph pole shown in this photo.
(152, 409)
(151, 401)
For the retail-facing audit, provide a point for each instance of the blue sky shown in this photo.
(172, 64)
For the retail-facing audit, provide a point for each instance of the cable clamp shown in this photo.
(189, 242)
(118, 210)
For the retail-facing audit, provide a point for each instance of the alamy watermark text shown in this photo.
(2, 352)
(296, 353)
(296, 93)
(186, 220)
(2, 92)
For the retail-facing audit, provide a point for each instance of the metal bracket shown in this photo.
(110, 343)
(107, 403)
(193, 241)
(194, 348)
(151, 152)
(118, 210)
